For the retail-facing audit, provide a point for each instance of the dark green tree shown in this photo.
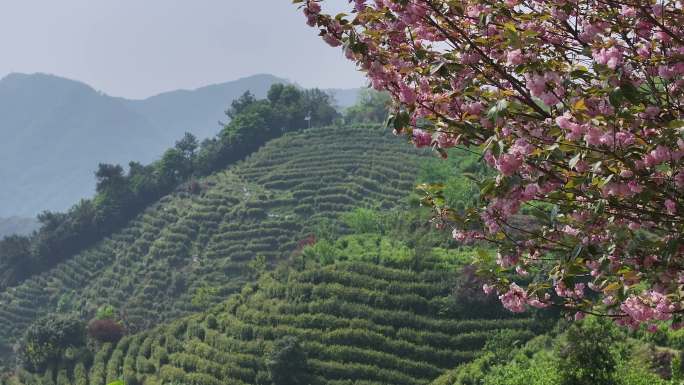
(112, 194)
(319, 105)
(284, 94)
(585, 356)
(173, 168)
(288, 106)
(143, 182)
(371, 107)
(15, 259)
(287, 363)
(187, 145)
(110, 177)
(47, 340)
(46, 245)
(240, 104)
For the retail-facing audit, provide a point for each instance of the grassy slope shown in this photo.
(265, 205)
(359, 324)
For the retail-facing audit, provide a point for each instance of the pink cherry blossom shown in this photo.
(515, 299)
(422, 138)
(610, 57)
(671, 206)
(508, 164)
(514, 57)
(587, 121)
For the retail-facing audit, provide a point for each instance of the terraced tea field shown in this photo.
(358, 323)
(155, 267)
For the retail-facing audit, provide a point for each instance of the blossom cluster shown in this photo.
(578, 108)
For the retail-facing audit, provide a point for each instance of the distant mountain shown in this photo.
(16, 225)
(54, 132)
(198, 111)
(345, 97)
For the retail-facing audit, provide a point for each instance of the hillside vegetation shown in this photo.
(592, 351)
(205, 234)
(122, 194)
(353, 322)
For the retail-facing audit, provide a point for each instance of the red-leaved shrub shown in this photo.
(105, 330)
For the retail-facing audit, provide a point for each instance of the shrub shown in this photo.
(287, 363)
(585, 355)
(105, 312)
(47, 339)
(80, 375)
(114, 365)
(62, 378)
(211, 322)
(170, 374)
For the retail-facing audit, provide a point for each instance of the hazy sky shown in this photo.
(137, 48)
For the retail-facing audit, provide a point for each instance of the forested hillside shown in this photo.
(199, 240)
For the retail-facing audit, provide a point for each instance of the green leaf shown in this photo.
(510, 27)
(436, 67)
(631, 93)
(487, 187)
(473, 177)
(579, 72)
(540, 215)
(678, 123)
(497, 109)
(389, 122)
(613, 286)
(575, 159)
(431, 188)
(553, 215)
(606, 180)
(511, 34)
(577, 251)
(616, 97)
(599, 208)
(401, 121)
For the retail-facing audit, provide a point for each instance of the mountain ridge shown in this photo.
(54, 131)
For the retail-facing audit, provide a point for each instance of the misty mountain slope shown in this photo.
(17, 225)
(54, 132)
(199, 111)
(344, 98)
(206, 236)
